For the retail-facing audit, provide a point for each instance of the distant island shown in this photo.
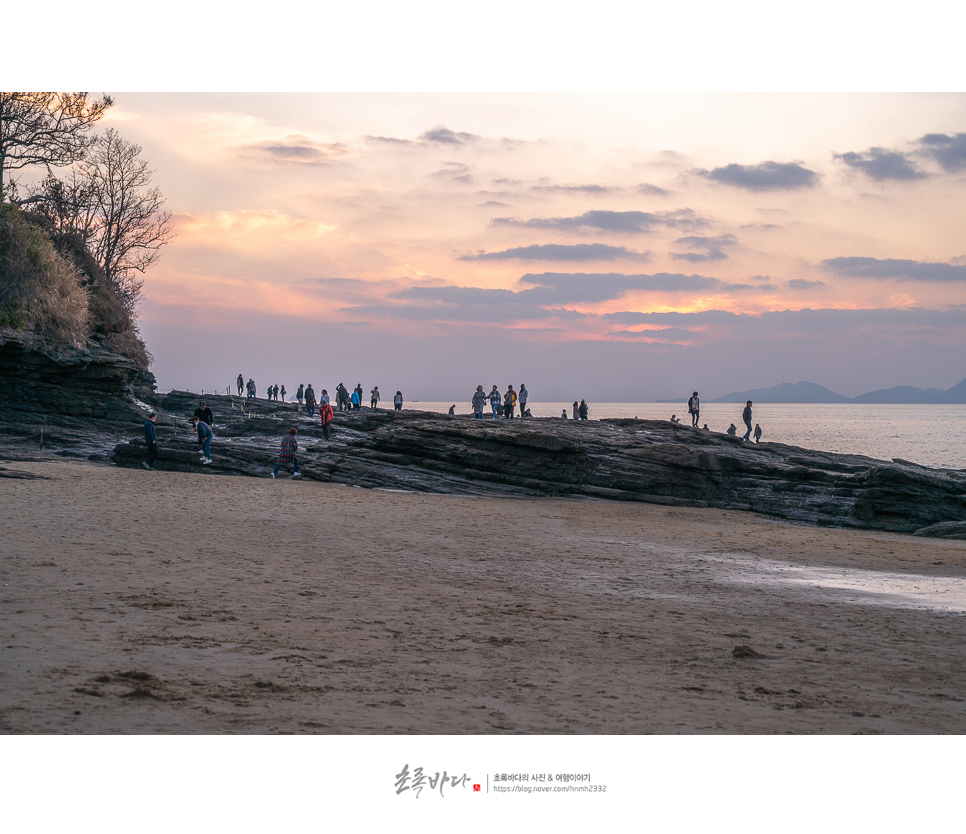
(810, 392)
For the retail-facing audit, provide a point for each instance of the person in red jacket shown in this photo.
(326, 414)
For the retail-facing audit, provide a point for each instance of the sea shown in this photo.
(930, 435)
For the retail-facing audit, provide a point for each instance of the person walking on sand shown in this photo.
(310, 400)
(522, 398)
(397, 401)
(374, 397)
(300, 393)
(495, 400)
(694, 409)
(241, 384)
(290, 446)
(509, 401)
(150, 440)
(478, 402)
(205, 435)
(746, 418)
(757, 433)
(326, 415)
(582, 410)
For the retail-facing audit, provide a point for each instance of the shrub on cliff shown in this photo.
(39, 289)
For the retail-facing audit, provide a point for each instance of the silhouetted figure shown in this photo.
(495, 400)
(582, 410)
(733, 430)
(452, 410)
(397, 401)
(746, 418)
(757, 433)
(241, 384)
(151, 440)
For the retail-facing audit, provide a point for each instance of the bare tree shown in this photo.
(46, 128)
(117, 211)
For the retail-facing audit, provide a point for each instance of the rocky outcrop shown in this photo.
(632, 460)
(65, 399)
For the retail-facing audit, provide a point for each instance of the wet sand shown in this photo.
(151, 602)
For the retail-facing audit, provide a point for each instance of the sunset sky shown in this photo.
(616, 247)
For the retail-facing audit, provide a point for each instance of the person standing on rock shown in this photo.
(290, 446)
(509, 401)
(357, 400)
(342, 397)
(757, 433)
(374, 397)
(310, 400)
(203, 413)
(283, 394)
(397, 401)
(241, 384)
(151, 440)
(582, 410)
(324, 397)
(452, 411)
(694, 409)
(478, 402)
(326, 415)
(576, 410)
(563, 414)
(495, 400)
(522, 399)
(251, 388)
(275, 392)
(746, 418)
(300, 394)
(733, 430)
(205, 435)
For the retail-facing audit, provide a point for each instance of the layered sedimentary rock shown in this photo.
(73, 398)
(634, 460)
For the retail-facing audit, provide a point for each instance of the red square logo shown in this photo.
(476, 787)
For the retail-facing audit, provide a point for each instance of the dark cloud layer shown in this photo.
(296, 150)
(880, 164)
(561, 252)
(802, 284)
(442, 135)
(948, 150)
(610, 221)
(704, 248)
(765, 176)
(901, 270)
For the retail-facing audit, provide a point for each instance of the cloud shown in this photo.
(455, 171)
(247, 230)
(388, 140)
(576, 287)
(901, 270)
(561, 252)
(610, 221)
(765, 176)
(493, 203)
(712, 247)
(948, 151)
(802, 284)
(442, 135)
(584, 189)
(296, 150)
(647, 188)
(880, 164)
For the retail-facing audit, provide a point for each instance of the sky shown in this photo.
(615, 247)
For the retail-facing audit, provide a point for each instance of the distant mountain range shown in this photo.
(809, 392)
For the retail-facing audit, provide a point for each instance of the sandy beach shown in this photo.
(152, 602)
